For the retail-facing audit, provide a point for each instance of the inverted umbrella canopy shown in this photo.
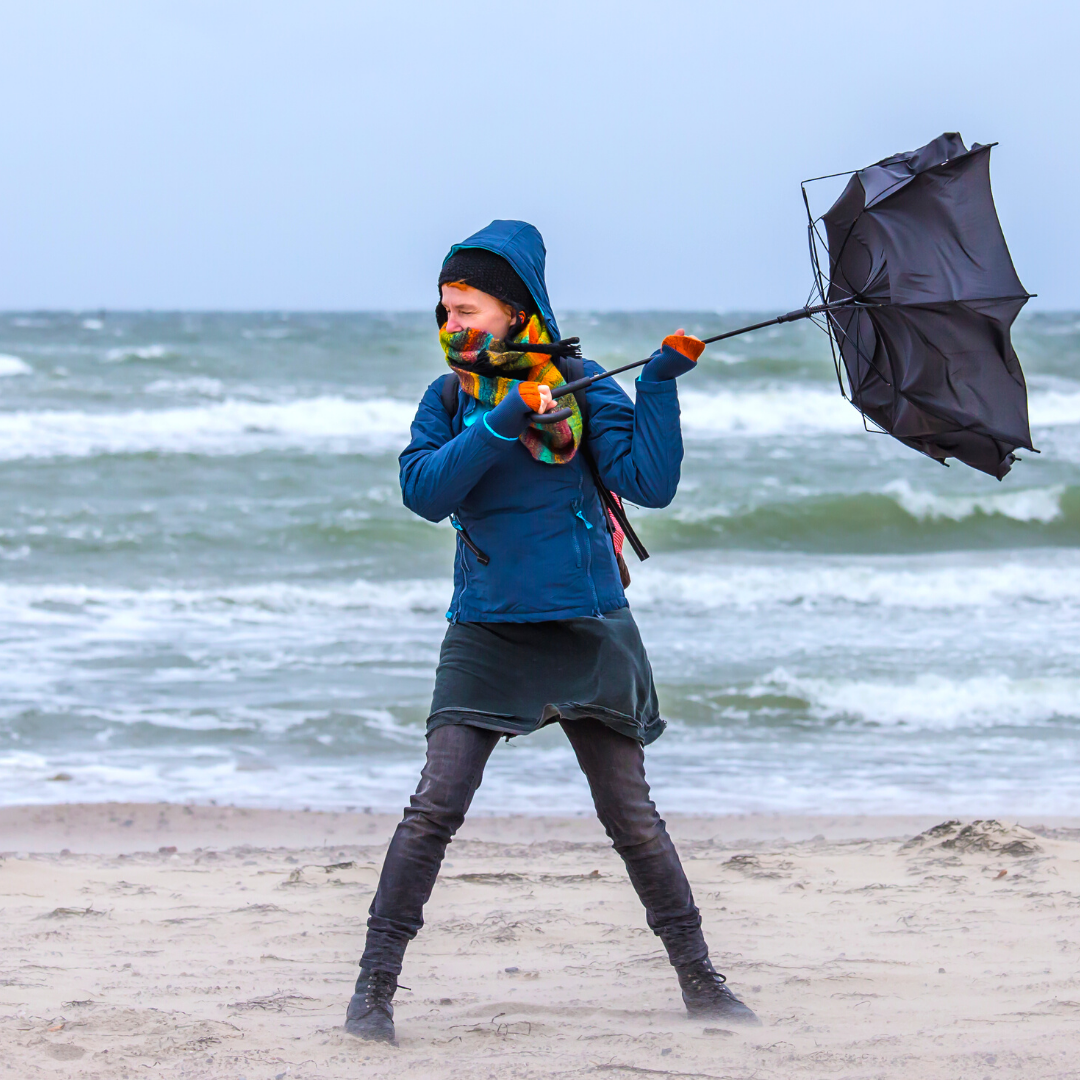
(919, 301)
(916, 243)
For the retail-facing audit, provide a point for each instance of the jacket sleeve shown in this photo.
(638, 447)
(437, 469)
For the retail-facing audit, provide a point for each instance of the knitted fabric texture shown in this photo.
(690, 347)
(489, 368)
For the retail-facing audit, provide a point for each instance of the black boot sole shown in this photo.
(374, 1027)
(745, 1016)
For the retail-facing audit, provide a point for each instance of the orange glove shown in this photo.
(690, 347)
(675, 357)
(530, 394)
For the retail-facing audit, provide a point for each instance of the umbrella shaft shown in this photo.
(791, 316)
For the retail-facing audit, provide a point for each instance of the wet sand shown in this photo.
(163, 940)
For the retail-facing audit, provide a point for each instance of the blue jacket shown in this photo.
(542, 526)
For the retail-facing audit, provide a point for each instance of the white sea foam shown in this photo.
(799, 409)
(265, 602)
(1030, 504)
(328, 424)
(947, 584)
(195, 386)
(137, 352)
(13, 365)
(795, 410)
(953, 584)
(1053, 408)
(334, 424)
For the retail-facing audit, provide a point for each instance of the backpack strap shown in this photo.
(448, 391)
(572, 369)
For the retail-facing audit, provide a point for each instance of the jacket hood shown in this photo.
(522, 246)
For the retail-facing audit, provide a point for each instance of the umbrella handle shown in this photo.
(552, 417)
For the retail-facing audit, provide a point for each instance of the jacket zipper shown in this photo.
(580, 512)
(464, 589)
(455, 613)
(575, 507)
(467, 540)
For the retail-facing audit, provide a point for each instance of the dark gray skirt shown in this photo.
(517, 677)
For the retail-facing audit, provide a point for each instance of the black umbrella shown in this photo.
(920, 297)
(916, 241)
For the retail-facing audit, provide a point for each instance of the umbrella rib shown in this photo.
(954, 300)
(833, 263)
(830, 176)
(817, 288)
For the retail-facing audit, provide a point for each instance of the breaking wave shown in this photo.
(336, 424)
(323, 424)
(12, 365)
(926, 701)
(950, 584)
(802, 410)
(126, 353)
(897, 517)
(265, 602)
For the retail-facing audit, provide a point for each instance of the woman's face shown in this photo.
(470, 309)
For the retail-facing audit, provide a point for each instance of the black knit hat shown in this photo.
(488, 272)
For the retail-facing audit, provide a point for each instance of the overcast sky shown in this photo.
(325, 153)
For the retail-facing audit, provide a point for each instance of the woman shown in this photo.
(539, 627)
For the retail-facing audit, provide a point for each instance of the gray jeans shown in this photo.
(615, 768)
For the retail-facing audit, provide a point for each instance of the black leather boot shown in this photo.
(705, 994)
(370, 1014)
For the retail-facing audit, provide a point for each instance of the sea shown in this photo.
(210, 591)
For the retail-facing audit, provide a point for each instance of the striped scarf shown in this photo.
(487, 369)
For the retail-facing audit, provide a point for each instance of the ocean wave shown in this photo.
(12, 365)
(195, 386)
(138, 352)
(930, 701)
(802, 409)
(1054, 408)
(264, 602)
(335, 424)
(1032, 504)
(897, 517)
(323, 424)
(941, 585)
(775, 411)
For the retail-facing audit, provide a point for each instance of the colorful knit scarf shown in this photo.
(488, 367)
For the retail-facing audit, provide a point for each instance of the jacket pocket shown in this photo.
(580, 528)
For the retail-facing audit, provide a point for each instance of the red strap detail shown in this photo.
(617, 535)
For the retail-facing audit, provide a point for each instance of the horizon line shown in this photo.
(560, 312)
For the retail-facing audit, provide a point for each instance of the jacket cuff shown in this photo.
(650, 386)
(491, 430)
(487, 435)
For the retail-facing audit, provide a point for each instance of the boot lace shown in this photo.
(379, 989)
(703, 977)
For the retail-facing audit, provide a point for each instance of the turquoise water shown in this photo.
(210, 589)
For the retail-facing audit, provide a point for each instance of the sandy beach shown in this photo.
(175, 941)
